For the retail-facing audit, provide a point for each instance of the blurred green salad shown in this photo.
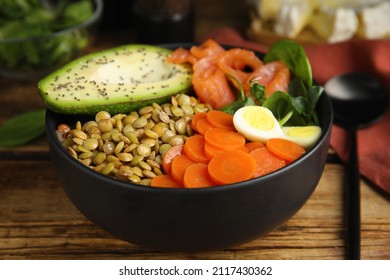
(21, 19)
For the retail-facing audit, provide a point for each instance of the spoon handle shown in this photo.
(353, 201)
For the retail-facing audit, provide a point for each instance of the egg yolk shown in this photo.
(303, 131)
(258, 118)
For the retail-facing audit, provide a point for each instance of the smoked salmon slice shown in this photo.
(210, 83)
(181, 56)
(273, 75)
(212, 65)
(239, 63)
(207, 49)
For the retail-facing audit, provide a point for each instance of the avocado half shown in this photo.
(117, 80)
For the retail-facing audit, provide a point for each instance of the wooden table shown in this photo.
(37, 221)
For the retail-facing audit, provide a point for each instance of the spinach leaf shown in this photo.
(282, 106)
(314, 94)
(241, 99)
(22, 128)
(234, 106)
(304, 95)
(294, 56)
(295, 108)
(279, 103)
(305, 100)
(29, 18)
(258, 92)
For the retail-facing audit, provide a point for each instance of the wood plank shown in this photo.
(37, 221)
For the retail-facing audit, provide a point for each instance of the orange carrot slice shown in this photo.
(202, 126)
(224, 139)
(179, 167)
(231, 167)
(164, 181)
(169, 156)
(266, 162)
(210, 151)
(194, 148)
(254, 145)
(197, 176)
(196, 118)
(220, 119)
(285, 149)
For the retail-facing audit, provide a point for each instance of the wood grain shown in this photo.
(37, 221)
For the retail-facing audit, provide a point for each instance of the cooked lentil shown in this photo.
(131, 147)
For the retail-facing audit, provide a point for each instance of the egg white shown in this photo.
(304, 136)
(257, 123)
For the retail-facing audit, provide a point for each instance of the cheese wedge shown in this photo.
(375, 21)
(336, 26)
(292, 18)
(268, 9)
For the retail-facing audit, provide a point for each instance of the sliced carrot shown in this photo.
(231, 167)
(254, 145)
(202, 126)
(224, 139)
(169, 156)
(266, 162)
(244, 149)
(220, 119)
(285, 149)
(164, 181)
(179, 166)
(196, 118)
(194, 148)
(210, 151)
(197, 176)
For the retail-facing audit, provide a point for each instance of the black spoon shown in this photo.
(358, 101)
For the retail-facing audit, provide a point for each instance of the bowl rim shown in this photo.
(112, 182)
(326, 131)
(98, 11)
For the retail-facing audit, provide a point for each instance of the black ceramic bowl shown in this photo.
(191, 219)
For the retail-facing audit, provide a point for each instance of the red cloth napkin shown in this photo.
(331, 59)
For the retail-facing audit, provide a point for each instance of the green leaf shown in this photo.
(297, 88)
(279, 103)
(235, 83)
(249, 101)
(22, 129)
(29, 18)
(294, 56)
(285, 119)
(258, 92)
(302, 105)
(234, 106)
(313, 94)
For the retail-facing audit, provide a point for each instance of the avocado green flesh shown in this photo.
(117, 80)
